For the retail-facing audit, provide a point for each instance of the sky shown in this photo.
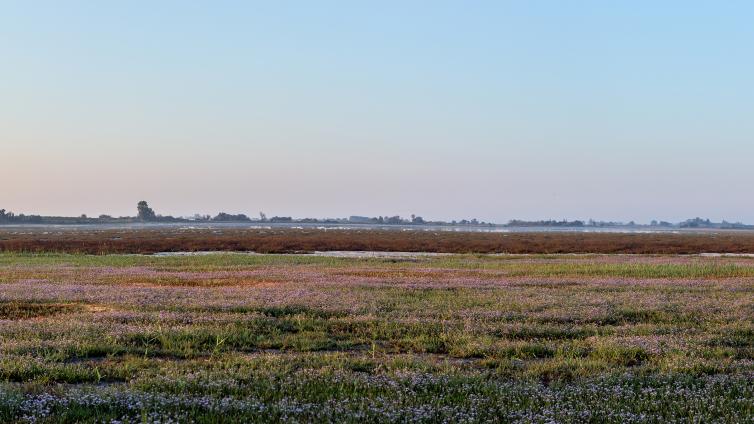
(496, 110)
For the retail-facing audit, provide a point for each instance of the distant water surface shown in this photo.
(351, 227)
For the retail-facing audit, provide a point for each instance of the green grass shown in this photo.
(242, 338)
(571, 265)
(197, 262)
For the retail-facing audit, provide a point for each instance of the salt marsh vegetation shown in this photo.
(451, 338)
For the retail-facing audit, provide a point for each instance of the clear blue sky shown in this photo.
(496, 110)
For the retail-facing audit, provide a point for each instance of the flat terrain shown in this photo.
(291, 240)
(459, 338)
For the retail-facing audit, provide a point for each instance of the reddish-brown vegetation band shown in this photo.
(309, 240)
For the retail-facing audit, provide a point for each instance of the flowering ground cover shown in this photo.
(461, 338)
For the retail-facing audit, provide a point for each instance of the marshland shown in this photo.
(236, 337)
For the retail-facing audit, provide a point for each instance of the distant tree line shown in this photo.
(226, 217)
(144, 213)
(412, 220)
(147, 214)
(7, 217)
(706, 223)
(10, 217)
(547, 223)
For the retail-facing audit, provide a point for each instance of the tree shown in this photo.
(145, 212)
(222, 216)
(393, 220)
(276, 219)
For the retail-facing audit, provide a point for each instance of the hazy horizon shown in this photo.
(429, 218)
(487, 110)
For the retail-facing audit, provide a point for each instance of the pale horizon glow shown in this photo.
(492, 110)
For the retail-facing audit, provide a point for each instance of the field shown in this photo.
(96, 240)
(406, 338)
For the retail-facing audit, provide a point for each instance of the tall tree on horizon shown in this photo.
(145, 213)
